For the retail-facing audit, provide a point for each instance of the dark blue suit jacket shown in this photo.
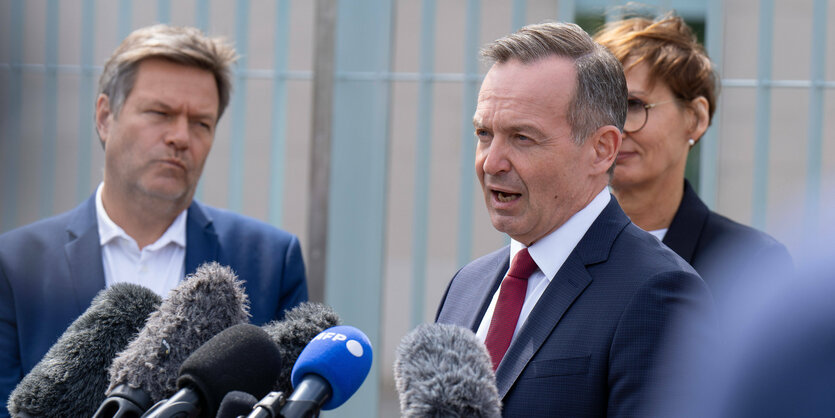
(51, 270)
(728, 255)
(590, 344)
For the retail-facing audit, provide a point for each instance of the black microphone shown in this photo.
(444, 370)
(236, 404)
(71, 379)
(241, 358)
(292, 334)
(204, 304)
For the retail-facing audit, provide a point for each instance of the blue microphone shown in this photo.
(328, 371)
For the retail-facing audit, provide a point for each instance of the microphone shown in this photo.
(236, 404)
(328, 371)
(241, 358)
(300, 325)
(207, 302)
(71, 378)
(445, 370)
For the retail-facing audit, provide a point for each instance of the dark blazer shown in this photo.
(51, 270)
(589, 346)
(725, 253)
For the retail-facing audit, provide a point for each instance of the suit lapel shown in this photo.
(484, 294)
(568, 284)
(471, 290)
(83, 252)
(201, 239)
(687, 224)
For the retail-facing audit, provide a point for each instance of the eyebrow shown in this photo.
(165, 106)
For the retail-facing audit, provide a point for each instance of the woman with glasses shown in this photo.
(672, 97)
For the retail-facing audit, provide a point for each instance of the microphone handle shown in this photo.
(124, 402)
(269, 406)
(184, 404)
(307, 399)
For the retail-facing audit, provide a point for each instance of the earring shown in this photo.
(692, 142)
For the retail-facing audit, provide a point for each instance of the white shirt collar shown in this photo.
(551, 251)
(109, 230)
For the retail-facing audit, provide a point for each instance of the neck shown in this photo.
(143, 218)
(654, 205)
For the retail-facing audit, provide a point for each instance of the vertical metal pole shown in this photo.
(13, 99)
(278, 156)
(50, 120)
(359, 173)
(566, 10)
(125, 18)
(238, 137)
(201, 21)
(86, 99)
(762, 132)
(201, 15)
(471, 86)
(320, 148)
(164, 11)
(709, 144)
(520, 8)
(816, 104)
(423, 173)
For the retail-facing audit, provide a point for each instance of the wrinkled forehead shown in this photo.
(546, 86)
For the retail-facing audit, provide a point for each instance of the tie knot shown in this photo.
(523, 265)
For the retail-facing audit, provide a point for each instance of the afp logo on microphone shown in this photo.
(354, 346)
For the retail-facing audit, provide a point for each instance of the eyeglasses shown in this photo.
(637, 113)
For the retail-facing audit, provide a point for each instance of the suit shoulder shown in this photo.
(645, 251)
(228, 222)
(42, 230)
(722, 229)
(487, 261)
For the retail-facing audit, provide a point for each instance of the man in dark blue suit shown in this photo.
(576, 323)
(161, 95)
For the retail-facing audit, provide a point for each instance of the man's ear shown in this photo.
(605, 144)
(103, 118)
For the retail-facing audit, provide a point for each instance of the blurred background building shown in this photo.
(350, 126)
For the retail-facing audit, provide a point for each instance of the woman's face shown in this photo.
(659, 148)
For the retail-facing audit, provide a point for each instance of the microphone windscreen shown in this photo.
(241, 358)
(445, 370)
(72, 377)
(300, 325)
(236, 404)
(342, 356)
(204, 304)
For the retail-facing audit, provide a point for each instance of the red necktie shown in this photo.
(511, 298)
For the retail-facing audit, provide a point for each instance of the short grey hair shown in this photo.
(601, 93)
(181, 45)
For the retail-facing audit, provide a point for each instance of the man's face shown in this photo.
(156, 146)
(533, 175)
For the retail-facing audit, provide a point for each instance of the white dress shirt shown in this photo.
(659, 233)
(549, 253)
(159, 266)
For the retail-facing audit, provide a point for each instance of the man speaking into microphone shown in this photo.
(161, 95)
(574, 311)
